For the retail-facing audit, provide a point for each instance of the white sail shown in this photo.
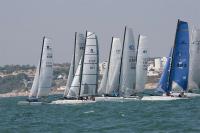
(102, 87)
(194, 80)
(114, 82)
(79, 47)
(46, 69)
(75, 86)
(34, 88)
(128, 68)
(89, 80)
(115, 59)
(141, 65)
(70, 77)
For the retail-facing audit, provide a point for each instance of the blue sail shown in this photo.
(180, 58)
(163, 85)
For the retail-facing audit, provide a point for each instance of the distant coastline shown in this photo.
(56, 91)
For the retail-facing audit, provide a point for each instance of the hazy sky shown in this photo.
(23, 23)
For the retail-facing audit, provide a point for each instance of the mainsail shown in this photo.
(46, 69)
(180, 58)
(79, 46)
(110, 79)
(114, 65)
(141, 65)
(128, 64)
(90, 66)
(194, 81)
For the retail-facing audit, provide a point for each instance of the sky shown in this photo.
(23, 23)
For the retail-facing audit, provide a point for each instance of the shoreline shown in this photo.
(17, 94)
(148, 86)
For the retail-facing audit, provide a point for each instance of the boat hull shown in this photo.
(116, 99)
(29, 103)
(161, 98)
(189, 95)
(72, 102)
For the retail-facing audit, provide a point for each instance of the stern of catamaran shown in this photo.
(32, 99)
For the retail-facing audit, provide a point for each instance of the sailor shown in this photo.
(181, 94)
(169, 94)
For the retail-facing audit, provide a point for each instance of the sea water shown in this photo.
(101, 117)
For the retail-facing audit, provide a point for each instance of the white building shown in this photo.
(157, 64)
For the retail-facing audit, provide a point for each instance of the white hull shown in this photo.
(116, 99)
(188, 95)
(72, 102)
(161, 98)
(29, 103)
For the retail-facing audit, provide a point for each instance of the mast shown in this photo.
(96, 91)
(137, 47)
(109, 56)
(41, 60)
(137, 53)
(74, 54)
(41, 55)
(81, 73)
(121, 58)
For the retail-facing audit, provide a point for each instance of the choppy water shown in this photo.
(104, 117)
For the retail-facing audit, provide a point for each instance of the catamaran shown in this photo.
(174, 79)
(127, 76)
(44, 75)
(85, 82)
